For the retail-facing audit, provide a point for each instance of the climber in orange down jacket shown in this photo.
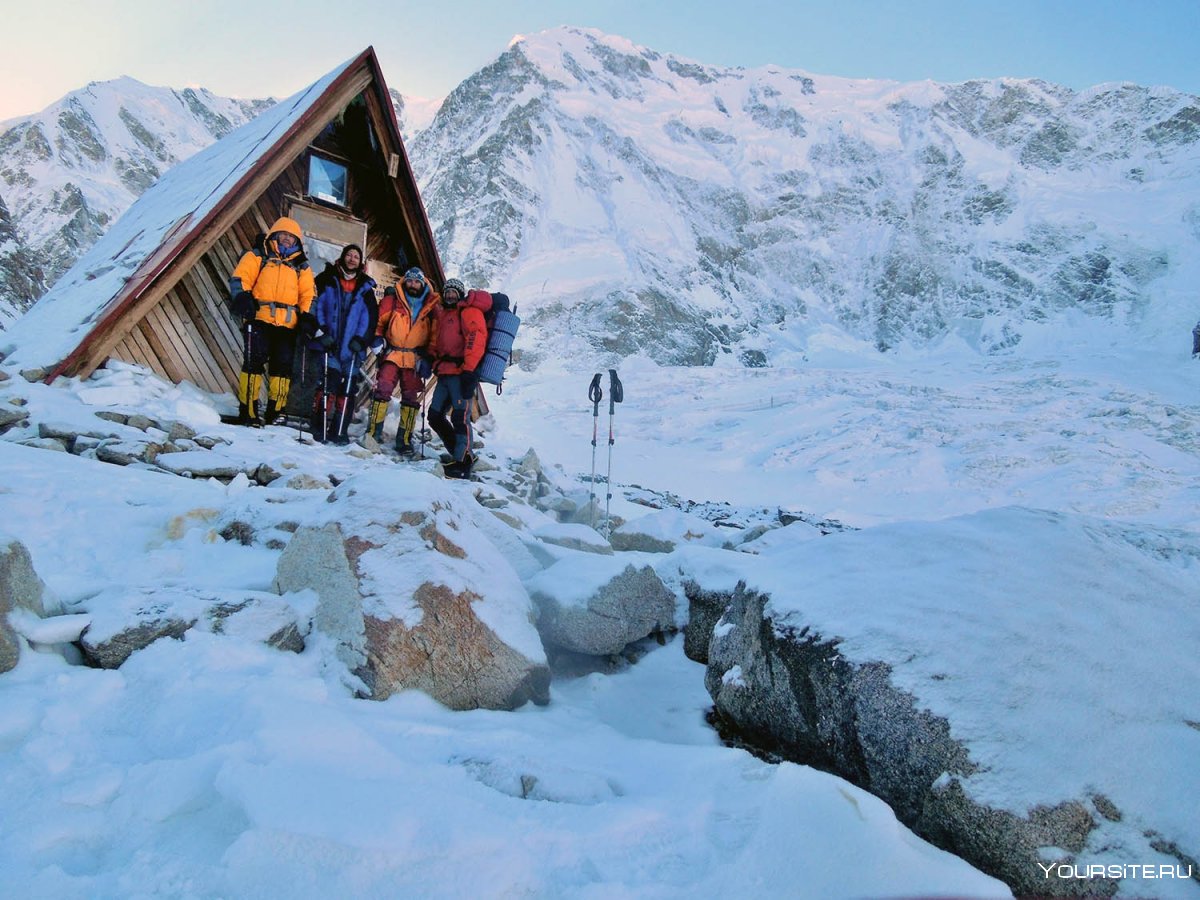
(272, 290)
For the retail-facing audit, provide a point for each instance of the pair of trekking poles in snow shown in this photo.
(616, 394)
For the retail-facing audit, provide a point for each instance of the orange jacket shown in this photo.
(396, 326)
(460, 334)
(283, 288)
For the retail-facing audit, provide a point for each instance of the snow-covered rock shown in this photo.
(124, 620)
(20, 589)
(416, 595)
(664, 530)
(598, 604)
(573, 537)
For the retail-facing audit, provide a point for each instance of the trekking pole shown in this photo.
(616, 394)
(346, 398)
(303, 367)
(325, 397)
(595, 394)
(246, 369)
(424, 406)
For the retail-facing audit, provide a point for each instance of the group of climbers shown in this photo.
(415, 333)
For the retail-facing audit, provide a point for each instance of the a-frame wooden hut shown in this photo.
(153, 290)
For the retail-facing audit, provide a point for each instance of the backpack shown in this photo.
(502, 324)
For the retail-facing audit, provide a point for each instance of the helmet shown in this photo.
(454, 284)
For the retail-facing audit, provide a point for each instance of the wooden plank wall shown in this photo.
(191, 334)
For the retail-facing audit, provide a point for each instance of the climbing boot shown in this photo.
(404, 431)
(375, 419)
(248, 387)
(460, 469)
(277, 394)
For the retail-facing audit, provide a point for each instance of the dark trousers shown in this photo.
(456, 432)
(268, 347)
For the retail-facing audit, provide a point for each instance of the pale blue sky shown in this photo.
(274, 47)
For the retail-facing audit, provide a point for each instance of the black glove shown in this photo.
(355, 345)
(468, 381)
(327, 342)
(243, 305)
(308, 325)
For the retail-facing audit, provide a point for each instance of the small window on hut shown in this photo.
(326, 180)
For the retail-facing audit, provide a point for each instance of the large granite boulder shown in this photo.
(597, 605)
(20, 588)
(416, 596)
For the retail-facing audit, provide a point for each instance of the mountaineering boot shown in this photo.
(460, 469)
(339, 420)
(404, 431)
(248, 386)
(278, 387)
(375, 419)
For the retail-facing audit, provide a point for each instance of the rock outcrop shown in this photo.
(791, 694)
(20, 588)
(125, 621)
(598, 605)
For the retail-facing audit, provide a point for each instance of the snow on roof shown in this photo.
(60, 321)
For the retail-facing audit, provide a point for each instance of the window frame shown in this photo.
(313, 157)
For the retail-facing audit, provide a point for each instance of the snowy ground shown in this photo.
(207, 767)
(870, 440)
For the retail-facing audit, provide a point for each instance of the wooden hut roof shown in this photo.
(151, 246)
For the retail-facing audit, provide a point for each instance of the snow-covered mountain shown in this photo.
(649, 203)
(75, 167)
(639, 202)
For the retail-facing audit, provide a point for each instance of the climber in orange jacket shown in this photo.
(272, 289)
(402, 338)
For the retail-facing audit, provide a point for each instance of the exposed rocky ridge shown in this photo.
(796, 697)
(860, 663)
